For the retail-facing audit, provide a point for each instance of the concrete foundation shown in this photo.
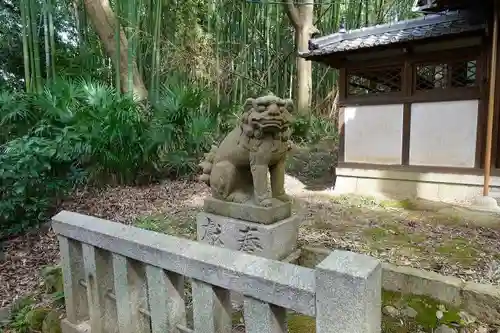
(446, 187)
(486, 203)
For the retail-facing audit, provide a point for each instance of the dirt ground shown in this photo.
(432, 236)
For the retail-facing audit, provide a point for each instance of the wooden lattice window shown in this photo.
(459, 74)
(374, 81)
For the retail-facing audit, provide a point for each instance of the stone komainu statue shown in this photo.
(236, 171)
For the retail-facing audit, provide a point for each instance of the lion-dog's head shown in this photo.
(267, 116)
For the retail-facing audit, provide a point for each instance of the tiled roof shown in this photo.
(417, 29)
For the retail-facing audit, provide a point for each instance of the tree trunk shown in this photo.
(302, 20)
(104, 21)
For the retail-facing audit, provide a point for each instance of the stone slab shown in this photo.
(272, 241)
(248, 212)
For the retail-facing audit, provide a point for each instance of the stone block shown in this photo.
(211, 308)
(356, 281)
(72, 263)
(273, 241)
(261, 317)
(166, 299)
(248, 212)
(483, 301)
(408, 280)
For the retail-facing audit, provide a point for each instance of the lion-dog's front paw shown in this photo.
(271, 202)
(284, 198)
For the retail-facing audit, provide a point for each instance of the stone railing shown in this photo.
(119, 278)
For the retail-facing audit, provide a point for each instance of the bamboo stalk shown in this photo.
(29, 30)
(26, 56)
(36, 47)
(46, 40)
(118, 47)
(130, 29)
(52, 41)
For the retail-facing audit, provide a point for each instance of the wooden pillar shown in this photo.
(491, 104)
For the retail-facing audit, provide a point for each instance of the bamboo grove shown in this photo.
(236, 48)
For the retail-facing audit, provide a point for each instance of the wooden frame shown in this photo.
(357, 72)
(409, 95)
(408, 63)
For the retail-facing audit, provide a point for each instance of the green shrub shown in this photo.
(312, 129)
(84, 131)
(33, 177)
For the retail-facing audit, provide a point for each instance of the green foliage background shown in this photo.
(65, 124)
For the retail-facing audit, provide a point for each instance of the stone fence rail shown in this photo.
(119, 278)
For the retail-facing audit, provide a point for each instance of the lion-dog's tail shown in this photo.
(206, 165)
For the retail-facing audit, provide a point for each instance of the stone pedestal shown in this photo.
(269, 232)
(247, 212)
(273, 241)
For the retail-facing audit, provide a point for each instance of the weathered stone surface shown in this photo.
(248, 212)
(98, 272)
(166, 299)
(356, 281)
(75, 296)
(274, 282)
(479, 300)
(211, 308)
(237, 170)
(263, 317)
(483, 301)
(272, 241)
(408, 280)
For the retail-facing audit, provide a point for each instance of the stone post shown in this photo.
(348, 294)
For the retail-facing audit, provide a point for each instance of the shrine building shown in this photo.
(419, 104)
